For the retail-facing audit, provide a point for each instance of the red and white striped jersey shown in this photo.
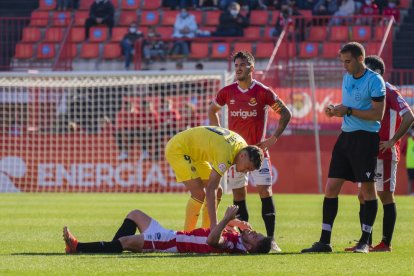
(247, 109)
(195, 241)
(395, 107)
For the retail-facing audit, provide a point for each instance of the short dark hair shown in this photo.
(244, 55)
(264, 246)
(255, 155)
(355, 48)
(375, 63)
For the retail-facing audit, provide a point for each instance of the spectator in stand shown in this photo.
(190, 117)
(185, 27)
(169, 118)
(368, 9)
(100, 12)
(393, 10)
(325, 7)
(232, 22)
(153, 47)
(128, 43)
(285, 18)
(148, 124)
(306, 4)
(199, 66)
(382, 4)
(346, 8)
(126, 129)
(208, 4)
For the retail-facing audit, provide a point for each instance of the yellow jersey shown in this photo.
(215, 145)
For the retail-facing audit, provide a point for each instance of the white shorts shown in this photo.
(385, 176)
(262, 176)
(159, 239)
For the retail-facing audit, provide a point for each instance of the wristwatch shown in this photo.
(349, 111)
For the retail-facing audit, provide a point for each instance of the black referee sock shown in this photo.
(388, 222)
(330, 209)
(243, 214)
(127, 228)
(370, 212)
(269, 215)
(361, 215)
(100, 247)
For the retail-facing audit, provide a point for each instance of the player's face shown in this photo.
(351, 64)
(252, 238)
(242, 69)
(244, 164)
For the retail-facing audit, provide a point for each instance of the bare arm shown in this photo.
(407, 121)
(214, 238)
(213, 114)
(285, 116)
(211, 197)
(374, 114)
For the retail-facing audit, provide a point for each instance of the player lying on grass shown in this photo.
(155, 238)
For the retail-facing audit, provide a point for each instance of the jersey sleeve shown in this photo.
(270, 97)
(377, 86)
(221, 98)
(222, 163)
(397, 102)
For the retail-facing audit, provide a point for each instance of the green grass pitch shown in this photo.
(31, 237)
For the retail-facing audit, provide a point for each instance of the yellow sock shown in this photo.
(205, 223)
(192, 212)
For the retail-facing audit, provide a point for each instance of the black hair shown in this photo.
(255, 156)
(375, 63)
(244, 55)
(355, 48)
(264, 246)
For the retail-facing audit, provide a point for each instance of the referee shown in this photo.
(354, 157)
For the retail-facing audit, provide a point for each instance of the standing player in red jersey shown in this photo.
(155, 238)
(248, 101)
(397, 120)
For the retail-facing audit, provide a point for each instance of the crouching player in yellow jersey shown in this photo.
(199, 157)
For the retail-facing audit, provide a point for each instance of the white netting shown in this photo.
(97, 131)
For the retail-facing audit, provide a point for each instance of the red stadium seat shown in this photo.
(243, 46)
(268, 32)
(198, 16)
(199, 50)
(372, 48)
(168, 17)
(404, 4)
(54, 34)
(275, 16)
(318, 33)
(127, 17)
(252, 32)
(70, 50)
(130, 4)
(379, 33)
(31, 34)
(264, 49)
(24, 51)
(306, 13)
(308, 50)
(330, 49)
(45, 51)
(47, 4)
(39, 18)
(361, 33)
(339, 34)
(118, 33)
(98, 34)
(77, 34)
(61, 18)
(149, 18)
(259, 18)
(212, 18)
(112, 51)
(80, 18)
(286, 50)
(165, 32)
(89, 50)
(220, 50)
(85, 4)
(151, 4)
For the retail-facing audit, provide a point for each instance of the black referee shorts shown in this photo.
(354, 156)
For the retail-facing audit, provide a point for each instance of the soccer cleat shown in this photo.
(70, 241)
(274, 247)
(381, 247)
(361, 248)
(318, 247)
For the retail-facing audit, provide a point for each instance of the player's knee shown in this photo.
(386, 197)
(239, 194)
(264, 191)
(361, 197)
(134, 214)
(332, 188)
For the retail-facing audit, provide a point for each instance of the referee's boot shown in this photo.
(318, 247)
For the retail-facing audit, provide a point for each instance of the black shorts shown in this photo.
(354, 156)
(410, 173)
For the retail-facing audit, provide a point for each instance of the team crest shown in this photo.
(252, 102)
(222, 167)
